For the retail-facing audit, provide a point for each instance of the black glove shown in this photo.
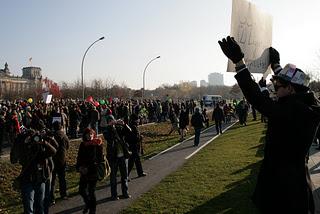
(262, 83)
(274, 56)
(231, 49)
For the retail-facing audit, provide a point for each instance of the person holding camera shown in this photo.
(33, 151)
(90, 153)
(118, 154)
(283, 184)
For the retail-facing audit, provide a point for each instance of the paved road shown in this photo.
(157, 167)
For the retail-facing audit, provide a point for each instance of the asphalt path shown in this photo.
(156, 167)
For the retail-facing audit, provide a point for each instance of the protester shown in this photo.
(183, 122)
(134, 139)
(174, 123)
(205, 116)
(90, 153)
(197, 121)
(2, 128)
(283, 184)
(118, 154)
(218, 117)
(59, 160)
(33, 150)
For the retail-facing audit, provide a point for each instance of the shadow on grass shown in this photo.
(237, 199)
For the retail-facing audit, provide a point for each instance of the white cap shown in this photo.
(293, 75)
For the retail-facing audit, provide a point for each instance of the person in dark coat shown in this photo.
(218, 117)
(59, 160)
(118, 154)
(197, 121)
(90, 153)
(134, 139)
(283, 184)
(183, 122)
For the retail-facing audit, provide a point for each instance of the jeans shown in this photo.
(33, 197)
(122, 164)
(197, 132)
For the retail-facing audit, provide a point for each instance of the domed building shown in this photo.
(30, 83)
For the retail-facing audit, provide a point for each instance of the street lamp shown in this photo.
(144, 74)
(85, 53)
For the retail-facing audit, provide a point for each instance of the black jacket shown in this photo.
(217, 114)
(197, 120)
(63, 145)
(283, 184)
(89, 154)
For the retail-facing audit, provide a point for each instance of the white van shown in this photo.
(211, 100)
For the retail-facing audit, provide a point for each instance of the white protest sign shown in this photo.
(54, 119)
(252, 29)
(48, 98)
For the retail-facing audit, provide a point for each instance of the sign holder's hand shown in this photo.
(231, 49)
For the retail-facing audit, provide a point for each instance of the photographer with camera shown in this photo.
(283, 184)
(118, 154)
(33, 151)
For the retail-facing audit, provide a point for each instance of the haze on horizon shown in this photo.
(183, 32)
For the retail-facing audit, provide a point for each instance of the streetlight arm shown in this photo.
(145, 69)
(85, 53)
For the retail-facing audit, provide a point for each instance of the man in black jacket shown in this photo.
(197, 121)
(218, 117)
(60, 162)
(134, 139)
(283, 184)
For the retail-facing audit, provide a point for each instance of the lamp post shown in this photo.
(85, 53)
(144, 74)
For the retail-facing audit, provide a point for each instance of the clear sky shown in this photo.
(183, 32)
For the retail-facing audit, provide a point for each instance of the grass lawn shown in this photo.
(219, 179)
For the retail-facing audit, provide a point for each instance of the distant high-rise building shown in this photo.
(194, 83)
(203, 83)
(215, 79)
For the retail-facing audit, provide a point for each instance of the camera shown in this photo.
(37, 138)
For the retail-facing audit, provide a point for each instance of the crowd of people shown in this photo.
(39, 136)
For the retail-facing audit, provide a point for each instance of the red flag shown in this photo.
(96, 103)
(89, 99)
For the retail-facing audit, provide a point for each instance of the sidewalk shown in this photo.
(314, 168)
